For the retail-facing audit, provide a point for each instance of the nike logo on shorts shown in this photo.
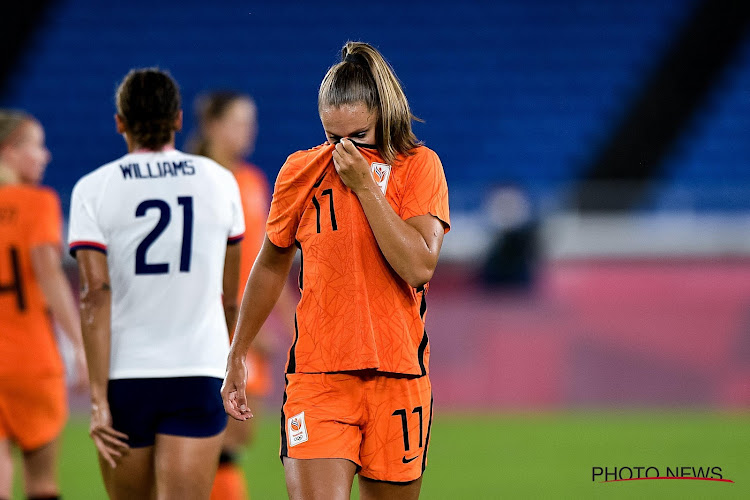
(407, 460)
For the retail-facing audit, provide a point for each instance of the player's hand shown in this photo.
(109, 442)
(233, 390)
(352, 166)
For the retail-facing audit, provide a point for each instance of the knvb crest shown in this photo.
(381, 173)
(296, 429)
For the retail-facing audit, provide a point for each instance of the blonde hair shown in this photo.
(363, 75)
(208, 108)
(10, 122)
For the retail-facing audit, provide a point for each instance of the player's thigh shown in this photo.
(319, 478)
(40, 469)
(133, 477)
(186, 466)
(369, 489)
(6, 468)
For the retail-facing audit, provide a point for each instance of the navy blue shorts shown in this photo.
(180, 406)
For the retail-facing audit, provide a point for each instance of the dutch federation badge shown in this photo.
(381, 172)
(296, 429)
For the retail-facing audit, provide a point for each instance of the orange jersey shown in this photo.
(355, 312)
(29, 217)
(254, 194)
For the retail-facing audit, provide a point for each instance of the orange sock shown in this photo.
(229, 483)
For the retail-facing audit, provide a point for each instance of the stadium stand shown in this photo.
(709, 170)
(510, 91)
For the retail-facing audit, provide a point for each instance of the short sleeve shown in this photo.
(289, 194)
(84, 231)
(47, 221)
(425, 190)
(237, 229)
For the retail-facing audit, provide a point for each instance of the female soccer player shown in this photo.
(33, 403)
(368, 210)
(227, 126)
(155, 234)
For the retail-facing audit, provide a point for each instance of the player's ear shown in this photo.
(178, 122)
(120, 123)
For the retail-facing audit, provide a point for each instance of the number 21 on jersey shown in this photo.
(143, 267)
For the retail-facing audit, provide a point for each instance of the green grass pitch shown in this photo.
(515, 456)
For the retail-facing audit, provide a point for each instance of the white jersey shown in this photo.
(164, 220)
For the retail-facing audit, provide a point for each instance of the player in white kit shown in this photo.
(156, 234)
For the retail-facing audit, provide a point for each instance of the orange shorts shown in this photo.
(258, 374)
(381, 422)
(33, 411)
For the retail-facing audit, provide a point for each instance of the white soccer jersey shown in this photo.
(164, 220)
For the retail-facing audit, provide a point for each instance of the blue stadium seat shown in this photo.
(509, 89)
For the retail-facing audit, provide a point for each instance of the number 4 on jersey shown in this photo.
(16, 286)
(143, 267)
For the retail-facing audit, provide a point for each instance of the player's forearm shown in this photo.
(402, 245)
(46, 262)
(59, 297)
(231, 284)
(231, 310)
(263, 288)
(95, 327)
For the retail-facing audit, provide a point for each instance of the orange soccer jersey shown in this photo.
(29, 216)
(355, 312)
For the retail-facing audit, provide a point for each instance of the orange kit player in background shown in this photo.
(227, 128)
(368, 210)
(33, 405)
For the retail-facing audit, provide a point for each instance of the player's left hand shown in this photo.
(352, 166)
(111, 444)
(233, 390)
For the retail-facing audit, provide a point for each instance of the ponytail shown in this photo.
(363, 75)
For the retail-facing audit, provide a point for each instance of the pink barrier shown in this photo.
(595, 333)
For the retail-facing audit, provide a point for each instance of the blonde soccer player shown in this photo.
(368, 210)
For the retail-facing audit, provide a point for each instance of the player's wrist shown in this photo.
(368, 187)
(236, 358)
(99, 403)
(98, 396)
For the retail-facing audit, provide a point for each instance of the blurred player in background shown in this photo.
(368, 210)
(156, 234)
(33, 403)
(227, 128)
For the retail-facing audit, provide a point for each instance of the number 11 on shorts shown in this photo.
(405, 428)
